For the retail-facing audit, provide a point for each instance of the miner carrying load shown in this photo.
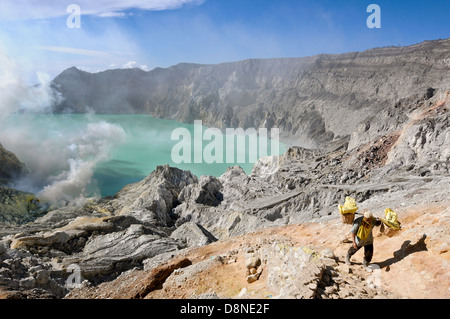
(362, 237)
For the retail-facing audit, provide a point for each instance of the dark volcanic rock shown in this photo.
(10, 166)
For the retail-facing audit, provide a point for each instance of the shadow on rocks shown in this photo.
(405, 250)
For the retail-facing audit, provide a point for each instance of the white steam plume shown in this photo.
(61, 163)
(85, 152)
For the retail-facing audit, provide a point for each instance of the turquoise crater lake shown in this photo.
(109, 150)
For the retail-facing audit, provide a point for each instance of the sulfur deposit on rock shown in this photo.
(19, 207)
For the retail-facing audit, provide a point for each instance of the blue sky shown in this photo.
(161, 33)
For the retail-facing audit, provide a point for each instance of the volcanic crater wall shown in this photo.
(313, 100)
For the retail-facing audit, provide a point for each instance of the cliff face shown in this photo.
(313, 100)
(10, 166)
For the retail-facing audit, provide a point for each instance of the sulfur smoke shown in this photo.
(60, 164)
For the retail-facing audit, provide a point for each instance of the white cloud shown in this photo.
(112, 15)
(134, 64)
(31, 9)
(75, 51)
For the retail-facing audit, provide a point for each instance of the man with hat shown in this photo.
(362, 237)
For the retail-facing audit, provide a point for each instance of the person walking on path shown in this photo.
(362, 237)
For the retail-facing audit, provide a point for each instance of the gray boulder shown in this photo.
(108, 255)
(206, 192)
(193, 235)
(151, 201)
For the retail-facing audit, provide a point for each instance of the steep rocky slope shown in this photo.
(10, 166)
(299, 261)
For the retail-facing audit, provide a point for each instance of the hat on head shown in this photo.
(368, 215)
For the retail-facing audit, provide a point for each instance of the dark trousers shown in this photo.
(368, 252)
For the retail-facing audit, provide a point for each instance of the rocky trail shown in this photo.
(300, 261)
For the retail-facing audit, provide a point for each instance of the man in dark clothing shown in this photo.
(362, 237)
